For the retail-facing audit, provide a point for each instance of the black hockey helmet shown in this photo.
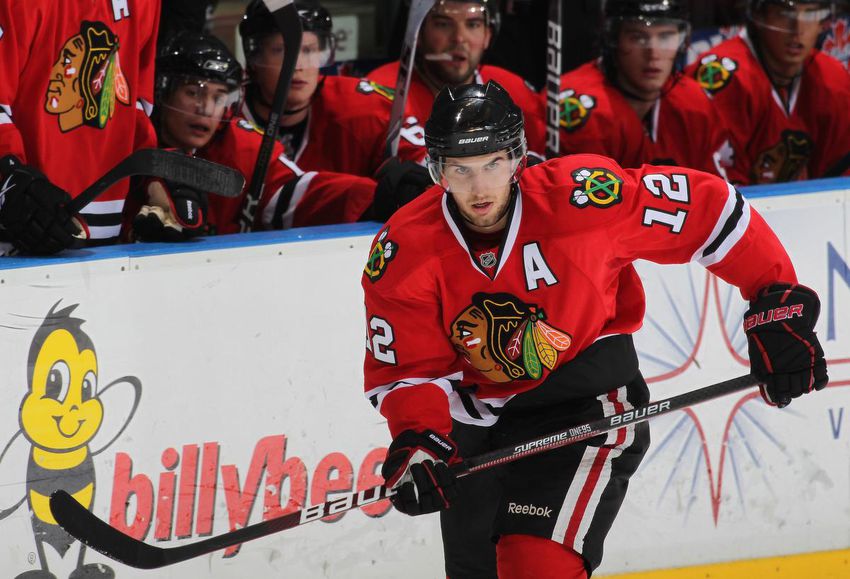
(755, 12)
(490, 8)
(647, 12)
(471, 120)
(199, 56)
(257, 23)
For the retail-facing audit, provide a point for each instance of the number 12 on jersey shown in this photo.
(675, 188)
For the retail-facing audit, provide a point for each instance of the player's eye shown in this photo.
(89, 386)
(57, 381)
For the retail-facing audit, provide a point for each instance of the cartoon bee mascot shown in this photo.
(59, 417)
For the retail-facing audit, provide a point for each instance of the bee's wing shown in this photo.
(120, 400)
(13, 474)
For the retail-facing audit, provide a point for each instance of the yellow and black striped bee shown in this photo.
(59, 417)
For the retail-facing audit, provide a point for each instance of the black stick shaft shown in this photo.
(288, 22)
(553, 79)
(97, 534)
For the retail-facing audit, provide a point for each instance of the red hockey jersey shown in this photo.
(76, 86)
(439, 325)
(596, 118)
(347, 129)
(420, 99)
(291, 197)
(774, 142)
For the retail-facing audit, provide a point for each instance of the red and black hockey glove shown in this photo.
(784, 350)
(399, 183)
(417, 467)
(172, 213)
(32, 210)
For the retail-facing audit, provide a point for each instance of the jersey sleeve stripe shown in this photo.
(728, 231)
(144, 106)
(377, 394)
(298, 192)
(5, 114)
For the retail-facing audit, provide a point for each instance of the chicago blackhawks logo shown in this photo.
(597, 187)
(506, 339)
(785, 161)
(714, 73)
(382, 253)
(371, 87)
(575, 110)
(86, 79)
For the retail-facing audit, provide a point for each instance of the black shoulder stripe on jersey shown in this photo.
(102, 219)
(468, 405)
(283, 202)
(728, 227)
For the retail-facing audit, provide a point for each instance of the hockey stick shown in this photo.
(97, 534)
(169, 165)
(287, 21)
(553, 80)
(415, 17)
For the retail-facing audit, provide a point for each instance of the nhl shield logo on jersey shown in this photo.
(86, 79)
(382, 253)
(575, 110)
(597, 187)
(506, 339)
(714, 73)
(371, 87)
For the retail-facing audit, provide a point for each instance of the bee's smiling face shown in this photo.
(61, 411)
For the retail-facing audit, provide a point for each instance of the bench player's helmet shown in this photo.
(821, 12)
(647, 12)
(257, 24)
(490, 9)
(472, 120)
(198, 58)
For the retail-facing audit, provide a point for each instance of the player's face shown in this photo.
(481, 187)
(646, 55)
(192, 113)
(63, 91)
(787, 35)
(453, 39)
(266, 69)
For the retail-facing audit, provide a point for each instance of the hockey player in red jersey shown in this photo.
(76, 86)
(784, 100)
(506, 298)
(634, 104)
(199, 85)
(451, 44)
(330, 123)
